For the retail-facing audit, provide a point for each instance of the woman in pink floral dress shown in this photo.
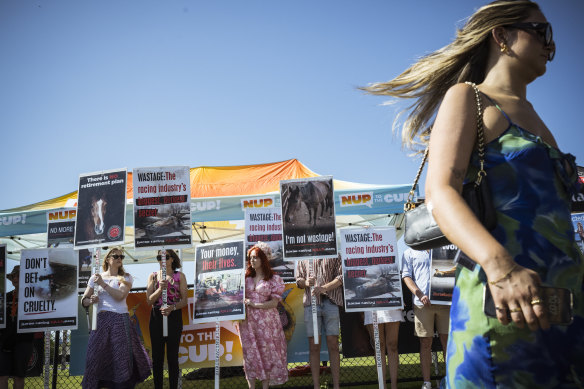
(261, 333)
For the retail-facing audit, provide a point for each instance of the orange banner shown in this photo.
(197, 343)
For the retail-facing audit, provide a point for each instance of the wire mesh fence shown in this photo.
(356, 372)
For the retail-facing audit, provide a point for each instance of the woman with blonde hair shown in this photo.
(503, 47)
(115, 355)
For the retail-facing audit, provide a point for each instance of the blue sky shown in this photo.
(96, 85)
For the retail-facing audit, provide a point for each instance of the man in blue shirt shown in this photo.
(416, 276)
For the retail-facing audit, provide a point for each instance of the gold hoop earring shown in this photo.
(504, 48)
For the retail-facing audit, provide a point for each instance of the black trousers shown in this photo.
(175, 327)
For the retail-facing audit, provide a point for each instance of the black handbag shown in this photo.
(421, 230)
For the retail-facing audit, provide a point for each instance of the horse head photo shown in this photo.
(98, 210)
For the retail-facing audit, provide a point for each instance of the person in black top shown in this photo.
(15, 349)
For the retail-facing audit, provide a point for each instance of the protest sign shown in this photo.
(265, 225)
(61, 233)
(47, 296)
(371, 271)
(442, 270)
(578, 222)
(162, 207)
(61, 227)
(101, 209)
(578, 198)
(308, 218)
(219, 282)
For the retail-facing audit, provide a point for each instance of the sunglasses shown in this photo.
(116, 256)
(543, 31)
(159, 257)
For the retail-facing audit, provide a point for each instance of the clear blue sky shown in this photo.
(95, 85)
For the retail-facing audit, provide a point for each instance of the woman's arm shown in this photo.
(118, 294)
(451, 144)
(88, 298)
(152, 293)
(272, 303)
(184, 296)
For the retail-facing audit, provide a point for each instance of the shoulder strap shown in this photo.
(499, 108)
(480, 146)
(480, 133)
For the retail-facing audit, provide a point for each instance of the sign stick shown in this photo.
(217, 354)
(180, 253)
(96, 254)
(380, 377)
(164, 294)
(313, 303)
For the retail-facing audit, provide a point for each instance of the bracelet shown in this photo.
(507, 275)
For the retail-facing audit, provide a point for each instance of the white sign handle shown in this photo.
(47, 358)
(313, 304)
(164, 294)
(96, 254)
(377, 350)
(217, 352)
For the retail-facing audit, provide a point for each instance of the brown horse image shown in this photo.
(312, 195)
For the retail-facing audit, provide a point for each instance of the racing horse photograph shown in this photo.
(302, 201)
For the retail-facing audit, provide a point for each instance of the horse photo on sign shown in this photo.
(308, 214)
(101, 209)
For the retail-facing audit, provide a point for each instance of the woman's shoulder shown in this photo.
(459, 91)
(276, 279)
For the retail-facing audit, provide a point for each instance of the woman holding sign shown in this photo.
(176, 292)
(115, 355)
(388, 323)
(261, 333)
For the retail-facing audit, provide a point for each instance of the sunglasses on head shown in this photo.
(542, 30)
(116, 256)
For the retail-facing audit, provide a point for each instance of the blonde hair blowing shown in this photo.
(464, 59)
(121, 271)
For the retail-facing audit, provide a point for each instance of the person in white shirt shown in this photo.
(416, 276)
(115, 355)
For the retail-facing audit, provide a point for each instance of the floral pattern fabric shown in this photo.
(262, 336)
(532, 184)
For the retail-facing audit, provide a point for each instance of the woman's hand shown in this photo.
(248, 303)
(167, 310)
(163, 284)
(515, 292)
(93, 299)
(99, 280)
(311, 281)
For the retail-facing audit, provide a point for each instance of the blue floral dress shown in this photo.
(532, 184)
